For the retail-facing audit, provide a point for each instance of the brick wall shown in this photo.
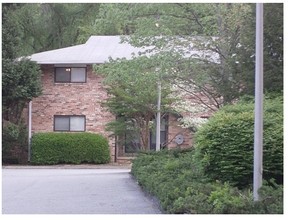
(71, 99)
(174, 129)
(85, 99)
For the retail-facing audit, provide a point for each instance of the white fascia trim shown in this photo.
(70, 65)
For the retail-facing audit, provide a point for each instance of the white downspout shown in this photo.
(29, 129)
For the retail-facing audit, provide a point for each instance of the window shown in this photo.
(69, 123)
(70, 75)
(163, 134)
(132, 142)
(131, 137)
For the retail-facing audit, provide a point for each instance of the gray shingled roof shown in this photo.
(96, 50)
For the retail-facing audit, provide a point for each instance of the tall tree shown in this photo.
(20, 79)
(218, 75)
(150, 21)
(212, 44)
(273, 52)
(10, 32)
(226, 30)
(46, 26)
(133, 94)
(20, 82)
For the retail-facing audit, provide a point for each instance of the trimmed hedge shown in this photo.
(177, 180)
(225, 143)
(75, 148)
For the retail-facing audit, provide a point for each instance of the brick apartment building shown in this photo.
(72, 94)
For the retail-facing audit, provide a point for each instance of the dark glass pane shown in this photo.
(132, 142)
(61, 123)
(62, 74)
(163, 135)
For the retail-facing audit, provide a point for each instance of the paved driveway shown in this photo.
(73, 191)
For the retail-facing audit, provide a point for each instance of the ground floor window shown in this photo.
(163, 135)
(69, 122)
(132, 143)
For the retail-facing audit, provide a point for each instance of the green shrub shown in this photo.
(166, 174)
(177, 180)
(13, 136)
(76, 148)
(13, 133)
(271, 195)
(225, 143)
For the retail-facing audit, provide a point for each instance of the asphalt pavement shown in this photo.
(77, 190)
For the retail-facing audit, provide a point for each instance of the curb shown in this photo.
(70, 166)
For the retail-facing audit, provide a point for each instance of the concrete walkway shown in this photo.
(69, 189)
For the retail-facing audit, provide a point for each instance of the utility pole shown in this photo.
(158, 117)
(258, 125)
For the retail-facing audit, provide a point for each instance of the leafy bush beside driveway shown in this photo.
(177, 180)
(225, 143)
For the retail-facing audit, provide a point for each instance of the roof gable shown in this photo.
(97, 49)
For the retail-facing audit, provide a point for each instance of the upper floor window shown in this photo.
(70, 74)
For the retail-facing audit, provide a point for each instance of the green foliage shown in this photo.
(75, 148)
(232, 24)
(227, 22)
(112, 19)
(21, 81)
(10, 32)
(44, 26)
(14, 142)
(271, 195)
(10, 132)
(166, 174)
(273, 51)
(12, 135)
(132, 86)
(225, 143)
(176, 178)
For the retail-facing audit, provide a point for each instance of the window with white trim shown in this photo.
(70, 74)
(69, 122)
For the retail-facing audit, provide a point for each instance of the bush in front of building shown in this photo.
(225, 143)
(69, 148)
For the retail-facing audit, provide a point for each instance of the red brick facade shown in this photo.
(84, 99)
(71, 99)
(173, 130)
